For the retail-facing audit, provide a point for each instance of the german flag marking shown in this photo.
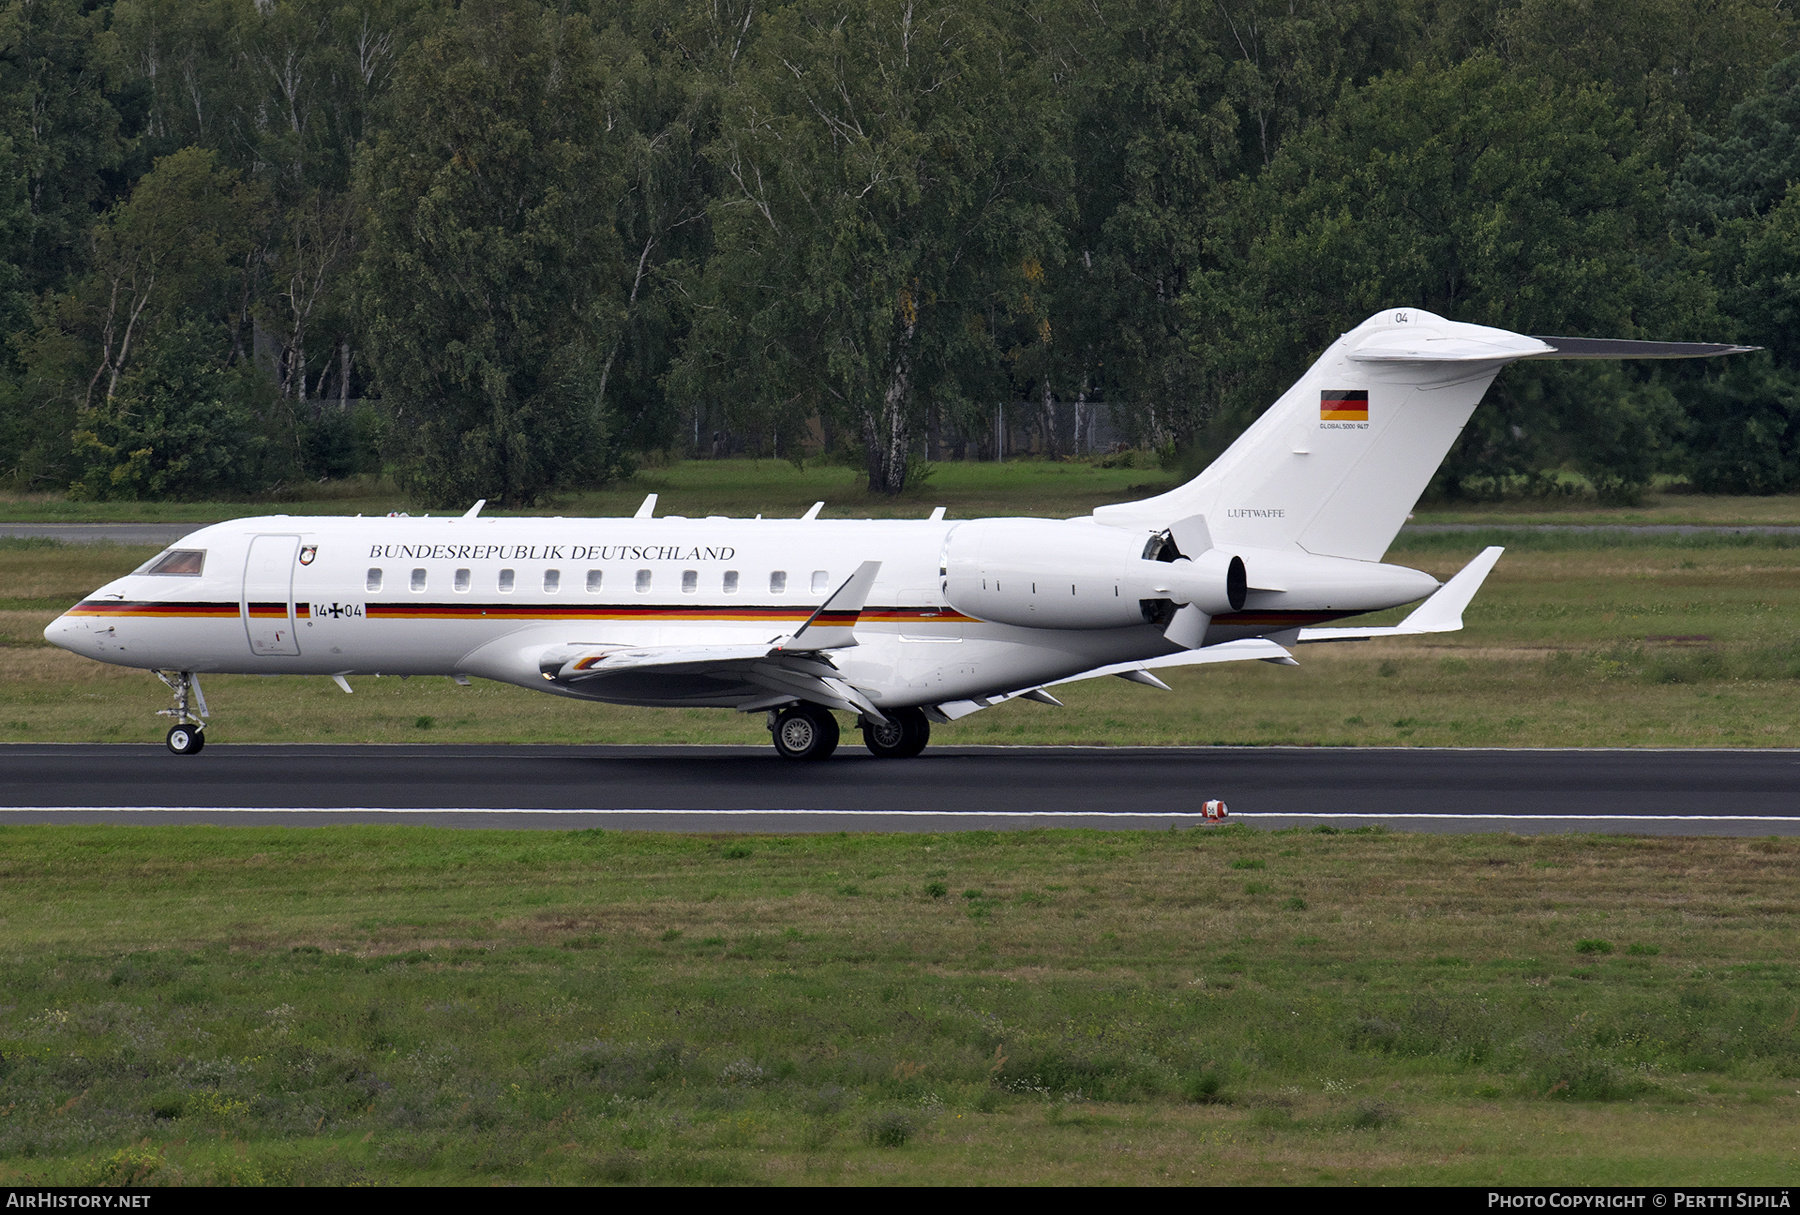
(1344, 405)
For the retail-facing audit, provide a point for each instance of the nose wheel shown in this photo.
(186, 740)
(188, 734)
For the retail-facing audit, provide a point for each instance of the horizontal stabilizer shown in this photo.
(1423, 346)
(1441, 613)
(1618, 348)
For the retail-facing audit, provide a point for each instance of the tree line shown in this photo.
(498, 249)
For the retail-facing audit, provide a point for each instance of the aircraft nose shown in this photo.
(63, 632)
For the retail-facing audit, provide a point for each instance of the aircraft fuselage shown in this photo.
(302, 595)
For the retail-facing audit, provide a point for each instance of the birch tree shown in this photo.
(880, 187)
(487, 285)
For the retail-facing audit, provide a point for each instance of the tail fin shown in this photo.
(1333, 467)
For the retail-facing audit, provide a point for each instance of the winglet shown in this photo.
(476, 509)
(812, 512)
(831, 626)
(1441, 613)
(648, 509)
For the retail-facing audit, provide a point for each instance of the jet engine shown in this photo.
(1073, 574)
(1076, 574)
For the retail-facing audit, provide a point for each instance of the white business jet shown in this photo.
(901, 623)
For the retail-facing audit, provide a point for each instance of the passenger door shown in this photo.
(268, 603)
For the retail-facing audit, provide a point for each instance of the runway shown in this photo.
(734, 789)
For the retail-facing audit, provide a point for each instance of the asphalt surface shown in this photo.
(1686, 792)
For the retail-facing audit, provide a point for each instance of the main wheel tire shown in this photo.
(904, 736)
(185, 740)
(806, 732)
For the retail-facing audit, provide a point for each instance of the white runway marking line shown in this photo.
(1093, 814)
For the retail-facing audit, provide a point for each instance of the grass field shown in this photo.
(1575, 640)
(967, 490)
(741, 488)
(384, 1005)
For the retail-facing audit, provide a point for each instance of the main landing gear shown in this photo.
(810, 732)
(188, 734)
(904, 736)
(805, 732)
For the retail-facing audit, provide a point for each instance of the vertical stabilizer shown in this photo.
(1333, 467)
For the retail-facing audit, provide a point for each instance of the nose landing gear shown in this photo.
(188, 734)
(186, 740)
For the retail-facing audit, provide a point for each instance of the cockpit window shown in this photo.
(187, 562)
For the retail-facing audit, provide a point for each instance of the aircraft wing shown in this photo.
(750, 677)
(1441, 613)
(754, 676)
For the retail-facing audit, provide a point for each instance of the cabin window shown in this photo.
(185, 562)
(690, 581)
(373, 581)
(778, 582)
(552, 581)
(506, 582)
(418, 580)
(643, 582)
(461, 582)
(594, 581)
(821, 581)
(731, 582)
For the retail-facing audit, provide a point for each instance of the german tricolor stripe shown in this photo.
(659, 613)
(162, 611)
(915, 614)
(1344, 405)
(598, 611)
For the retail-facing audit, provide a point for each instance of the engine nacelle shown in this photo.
(1074, 574)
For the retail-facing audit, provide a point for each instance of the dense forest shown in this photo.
(504, 249)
